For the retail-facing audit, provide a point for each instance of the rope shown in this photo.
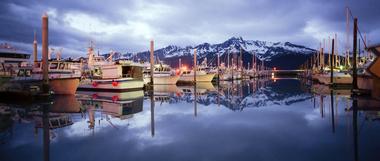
(360, 34)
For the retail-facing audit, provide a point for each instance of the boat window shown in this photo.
(21, 73)
(61, 66)
(14, 55)
(53, 65)
(28, 73)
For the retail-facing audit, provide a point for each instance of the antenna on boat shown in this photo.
(111, 55)
(59, 54)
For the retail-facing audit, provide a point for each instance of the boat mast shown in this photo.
(218, 71)
(90, 54)
(320, 56)
(241, 63)
(336, 51)
(228, 59)
(347, 38)
(329, 47)
(35, 49)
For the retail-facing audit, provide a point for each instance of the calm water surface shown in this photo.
(285, 119)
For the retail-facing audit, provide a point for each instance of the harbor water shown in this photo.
(265, 119)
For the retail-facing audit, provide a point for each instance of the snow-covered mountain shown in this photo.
(263, 50)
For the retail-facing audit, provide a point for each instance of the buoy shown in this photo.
(115, 98)
(114, 83)
(94, 96)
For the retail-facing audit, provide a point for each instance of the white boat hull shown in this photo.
(228, 76)
(166, 80)
(114, 84)
(199, 78)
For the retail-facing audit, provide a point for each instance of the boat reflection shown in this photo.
(166, 94)
(89, 112)
(120, 105)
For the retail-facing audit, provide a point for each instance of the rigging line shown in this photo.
(360, 33)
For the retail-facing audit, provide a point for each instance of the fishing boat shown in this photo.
(105, 74)
(202, 75)
(10, 60)
(365, 80)
(339, 78)
(230, 74)
(368, 74)
(162, 74)
(63, 79)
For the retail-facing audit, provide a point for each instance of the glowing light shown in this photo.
(184, 68)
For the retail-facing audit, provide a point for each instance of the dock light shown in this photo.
(341, 67)
(184, 68)
(274, 68)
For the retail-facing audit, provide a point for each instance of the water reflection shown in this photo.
(274, 116)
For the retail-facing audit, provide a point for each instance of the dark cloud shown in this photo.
(129, 25)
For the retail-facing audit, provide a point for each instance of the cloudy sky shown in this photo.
(128, 25)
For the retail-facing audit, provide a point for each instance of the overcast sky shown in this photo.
(128, 25)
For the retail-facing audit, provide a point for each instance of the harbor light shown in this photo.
(184, 68)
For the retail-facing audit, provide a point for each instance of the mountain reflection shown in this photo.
(235, 95)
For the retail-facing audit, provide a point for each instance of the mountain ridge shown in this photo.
(284, 55)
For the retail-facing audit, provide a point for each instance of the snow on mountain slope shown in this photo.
(262, 49)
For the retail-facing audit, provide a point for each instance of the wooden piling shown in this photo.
(332, 63)
(45, 50)
(152, 104)
(354, 68)
(151, 61)
(195, 66)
